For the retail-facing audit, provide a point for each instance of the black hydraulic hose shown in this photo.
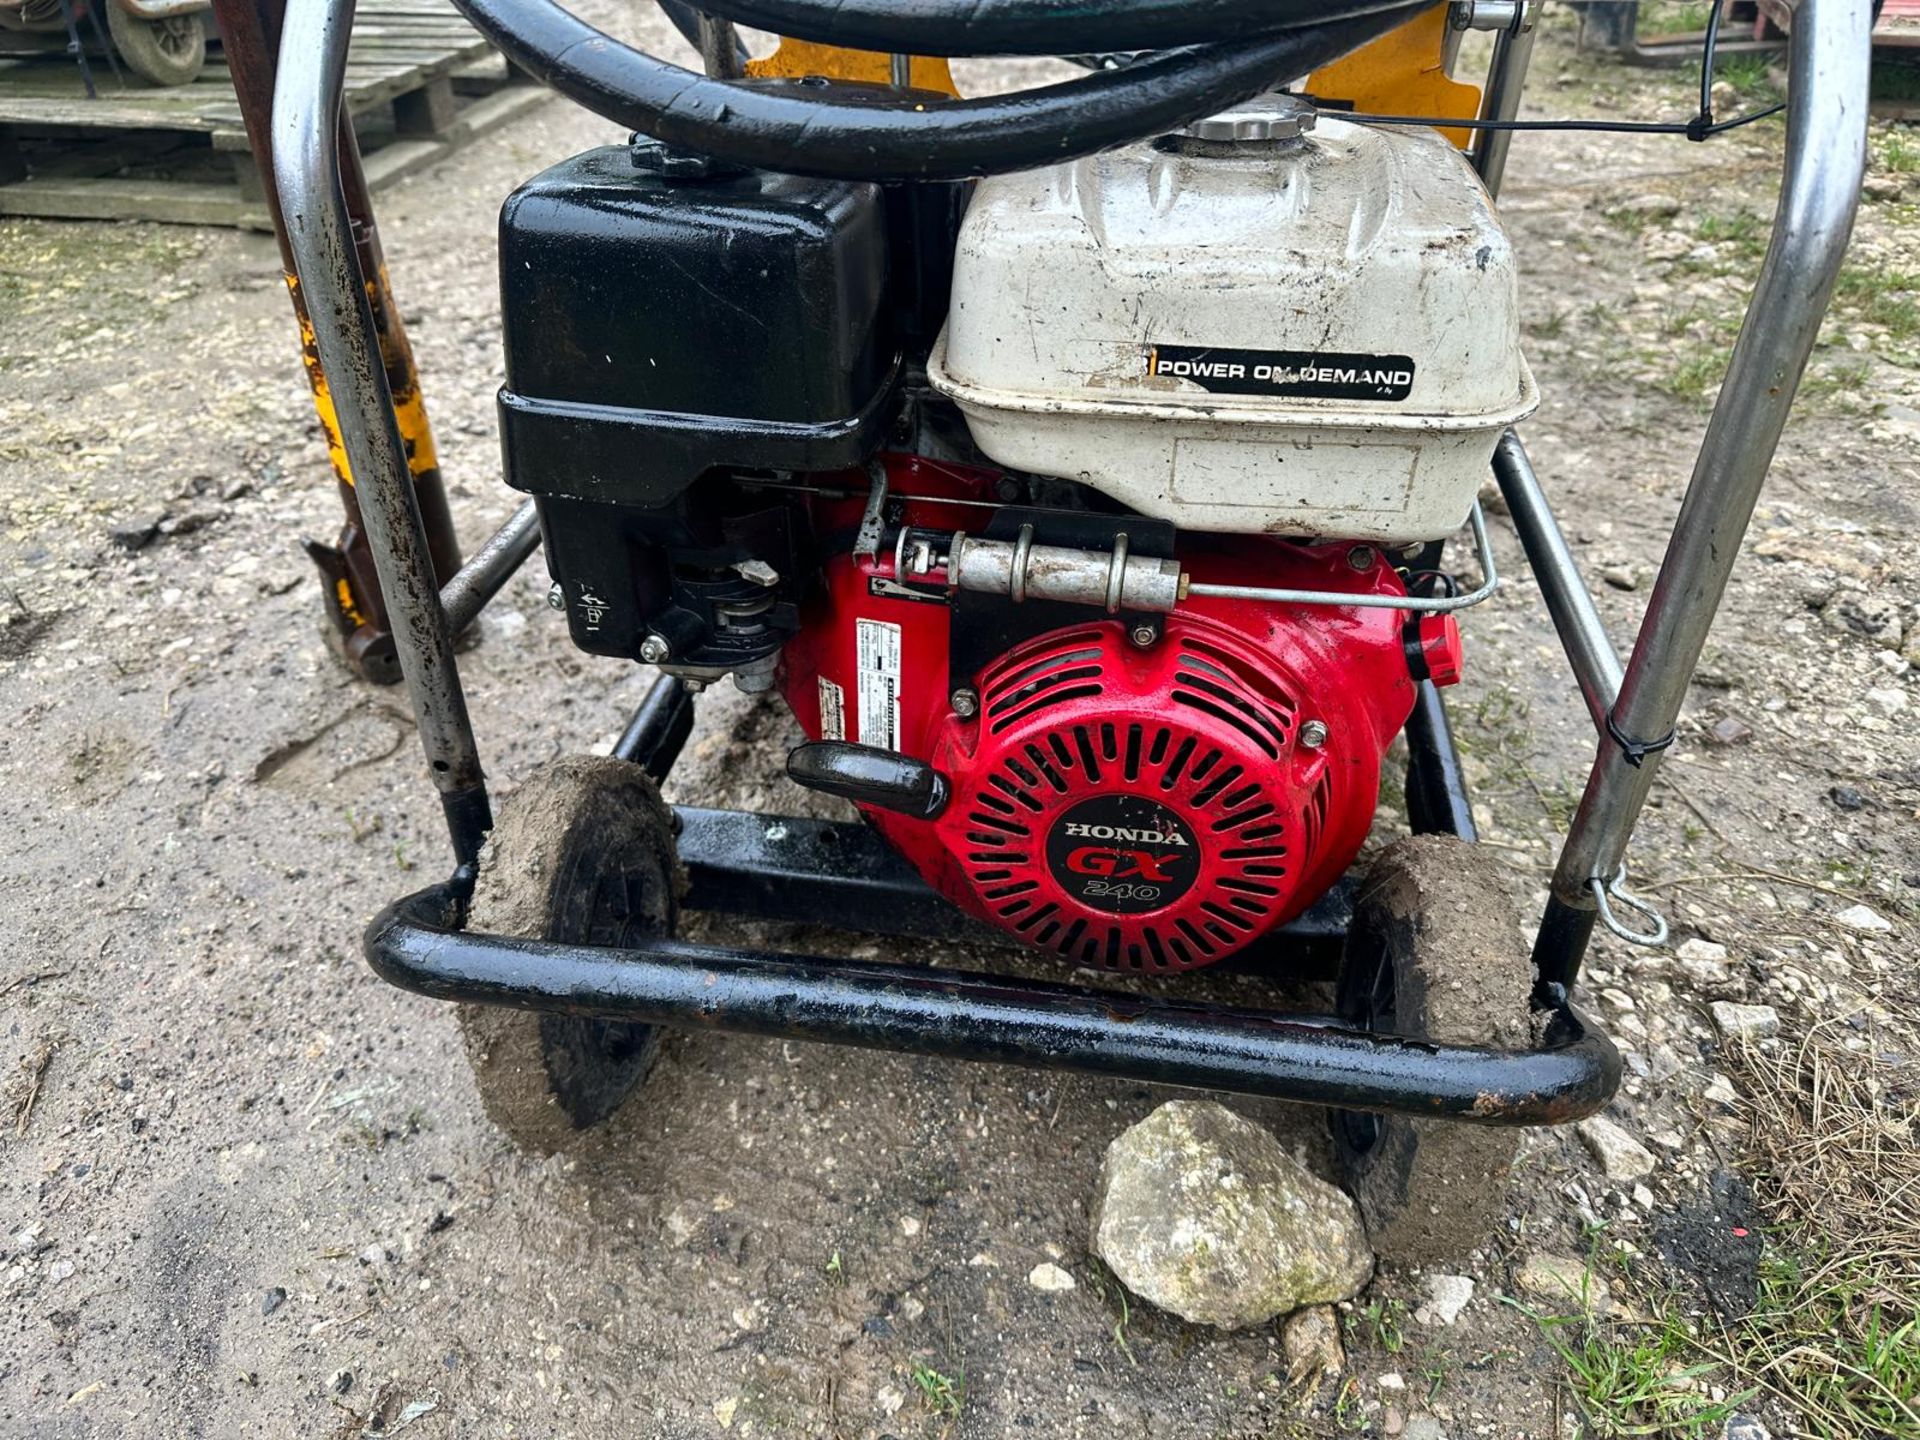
(805, 129)
(1032, 27)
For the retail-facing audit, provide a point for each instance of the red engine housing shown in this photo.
(1144, 808)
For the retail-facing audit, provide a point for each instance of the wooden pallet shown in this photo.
(420, 83)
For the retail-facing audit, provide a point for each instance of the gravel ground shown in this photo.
(247, 1189)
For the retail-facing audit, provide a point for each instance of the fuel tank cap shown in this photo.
(1267, 118)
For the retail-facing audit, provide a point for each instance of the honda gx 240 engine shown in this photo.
(1048, 502)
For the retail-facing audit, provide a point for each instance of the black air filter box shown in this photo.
(658, 327)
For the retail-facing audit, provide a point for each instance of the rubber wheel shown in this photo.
(167, 52)
(1434, 952)
(583, 852)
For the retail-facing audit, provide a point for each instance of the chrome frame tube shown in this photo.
(1828, 60)
(306, 154)
(1583, 635)
(493, 564)
(1506, 80)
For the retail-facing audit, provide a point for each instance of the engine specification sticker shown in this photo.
(833, 711)
(1323, 375)
(878, 645)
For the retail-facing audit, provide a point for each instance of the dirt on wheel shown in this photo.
(1434, 920)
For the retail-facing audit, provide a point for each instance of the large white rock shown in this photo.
(1201, 1213)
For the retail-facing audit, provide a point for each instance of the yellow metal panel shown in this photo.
(1403, 73)
(798, 58)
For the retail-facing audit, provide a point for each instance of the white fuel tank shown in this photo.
(1266, 324)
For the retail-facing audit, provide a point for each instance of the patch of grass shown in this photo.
(1630, 222)
(1108, 1287)
(1658, 18)
(1549, 327)
(1881, 297)
(1349, 1408)
(943, 1395)
(1383, 1322)
(1842, 389)
(1896, 153)
(1833, 1330)
(1695, 374)
(1633, 1378)
(1747, 74)
(1831, 1338)
(1744, 230)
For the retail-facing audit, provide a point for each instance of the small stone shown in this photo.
(1654, 206)
(1876, 620)
(723, 1411)
(60, 1270)
(1720, 1090)
(1423, 1427)
(188, 523)
(1845, 797)
(340, 1381)
(1621, 577)
(1859, 917)
(909, 1226)
(1050, 1278)
(1392, 1380)
(1560, 1280)
(1706, 950)
(1310, 1341)
(273, 1299)
(1756, 1022)
(374, 1254)
(1643, 1197)
(888, 1399)
(1202, 1213)
(1745, 1427)
(1447, 1296)
(137, 534)
(1392, 1422)
(1621, 1156)
(1729, 731)
(1890, 702)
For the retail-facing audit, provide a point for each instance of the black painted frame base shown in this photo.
(842, 876)
(417, 944)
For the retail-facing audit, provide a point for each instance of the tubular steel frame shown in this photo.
(772, 868)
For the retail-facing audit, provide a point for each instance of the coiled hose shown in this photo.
(807, 128)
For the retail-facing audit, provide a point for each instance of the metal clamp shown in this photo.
(1017, 576)
(1515, 17)
(1116, 573)
(1616, 889)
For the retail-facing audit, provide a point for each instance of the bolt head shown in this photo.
(556, 597)
(1313, 735)
(1143, 635)
(654, 649)
(965, 703)
(1360, 557)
